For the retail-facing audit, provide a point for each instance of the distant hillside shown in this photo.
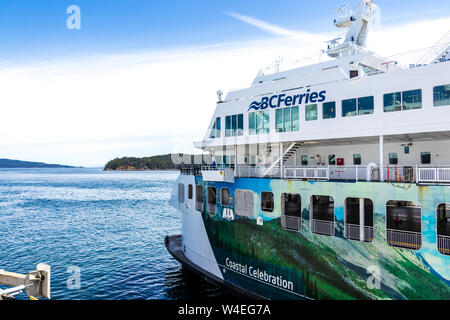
(11, 164)
(161, 162)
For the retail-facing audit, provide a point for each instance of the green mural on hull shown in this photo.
(281, 264)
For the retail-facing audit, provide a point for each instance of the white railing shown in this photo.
(306, 173)
(400, 174)
(352, 231)
(322, 227)
(444, 244)
(404, 239)
(433, 175)
(291, 223)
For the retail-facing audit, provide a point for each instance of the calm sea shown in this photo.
(109, 226)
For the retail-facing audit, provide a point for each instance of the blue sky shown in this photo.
(36, 29)
(140, 77)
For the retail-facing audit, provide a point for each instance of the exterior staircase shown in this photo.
(439, 52)
(287, 154)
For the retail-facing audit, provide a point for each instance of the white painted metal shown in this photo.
(361, 219)
(218, 174)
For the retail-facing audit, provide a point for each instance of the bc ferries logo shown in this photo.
(279, 100)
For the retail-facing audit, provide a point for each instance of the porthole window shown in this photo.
(267, 201)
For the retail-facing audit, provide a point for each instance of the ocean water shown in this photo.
(109, 226)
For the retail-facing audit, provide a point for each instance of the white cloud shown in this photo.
(90, 109)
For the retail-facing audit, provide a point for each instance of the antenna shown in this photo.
(219, 95)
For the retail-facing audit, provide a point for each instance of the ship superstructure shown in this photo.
(327, 181)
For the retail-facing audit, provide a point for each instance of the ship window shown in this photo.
(322, 221)
(304, 160)
(392, 102)
(267, 201)
(240, 124)
(441, 95)
(365, 105)
(211, 198)
(412, 99)
(355, 209)
(262, 122)
(225, 196)
(349, 108)
(215, 131)
(279, 120)
(287, 119)
(228, 131)
(311, 112)
(443, 228)
(199, 198)
(266, 117)
(244, 203)
(403, 224)
(393, 158)
(356, 159)
(329, 110)
(291, 211)
(233, 124)
(332, 160)
(251, 123)
(425, 157)
(190, 191)
(180, 193)
(295, 119)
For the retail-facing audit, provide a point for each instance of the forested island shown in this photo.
(13, 164)
(160, 162)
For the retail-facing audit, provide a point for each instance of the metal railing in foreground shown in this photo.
(404, 239)
(443, 244)
(352, 232)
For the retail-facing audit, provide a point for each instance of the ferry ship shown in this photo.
(327, 181)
